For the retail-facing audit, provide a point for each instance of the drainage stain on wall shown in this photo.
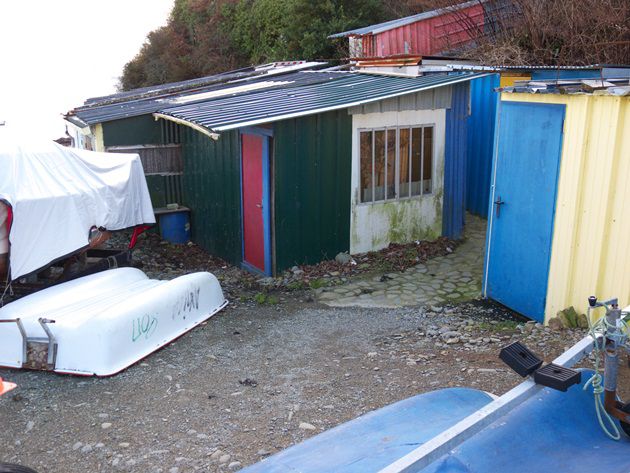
(375, 226)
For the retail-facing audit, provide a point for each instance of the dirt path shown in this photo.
(244, 382)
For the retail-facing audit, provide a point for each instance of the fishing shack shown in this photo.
(305, 166)
(559, 213)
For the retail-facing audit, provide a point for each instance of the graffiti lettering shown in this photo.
(186, 303)
(144, 326)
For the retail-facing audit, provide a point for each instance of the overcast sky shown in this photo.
(56, 53)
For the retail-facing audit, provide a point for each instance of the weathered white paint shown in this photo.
(105, 322)
(374, 226)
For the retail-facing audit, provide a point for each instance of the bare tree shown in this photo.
(551, 32)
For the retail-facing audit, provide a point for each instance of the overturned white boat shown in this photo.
(103, 323)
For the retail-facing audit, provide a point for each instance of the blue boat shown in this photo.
(550, 432)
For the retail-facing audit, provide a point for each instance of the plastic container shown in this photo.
(175, 226)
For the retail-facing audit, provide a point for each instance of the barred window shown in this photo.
(396, 163)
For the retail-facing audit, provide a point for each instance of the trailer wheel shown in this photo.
(625, 425)
(11, 468)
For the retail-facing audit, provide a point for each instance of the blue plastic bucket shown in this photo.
(175, 226)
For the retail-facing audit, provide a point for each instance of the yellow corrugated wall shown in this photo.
(509, 78)
(591, 241)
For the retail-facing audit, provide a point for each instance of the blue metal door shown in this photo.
(522, 207)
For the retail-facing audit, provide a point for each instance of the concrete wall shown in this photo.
(375, 225)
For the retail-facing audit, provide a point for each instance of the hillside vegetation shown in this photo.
(204, 37)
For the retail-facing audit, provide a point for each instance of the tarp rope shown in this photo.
(600, 329)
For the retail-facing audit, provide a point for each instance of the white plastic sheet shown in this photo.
(57, 194)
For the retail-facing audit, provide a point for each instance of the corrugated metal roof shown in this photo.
(562, 68)
(339, 90)
(150, 99)
(620, 87)
(392, 24)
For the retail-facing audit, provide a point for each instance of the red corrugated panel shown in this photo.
(426, 37)
(369, 49)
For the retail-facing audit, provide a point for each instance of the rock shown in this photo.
(372, 354)
(234, 466)
(29, 425)
(582, 321)
(555, 324)
(572, 315)
(77, 445)
(123, 444)
(263, 453)
(86, 448)
(266, 281)
(564, 320)
(451, 334)
(106, 425)
(343, 258)
(306, 426)
(216, 455)
(248, 382)
(174, 469)
(224, 458)
(452, 341)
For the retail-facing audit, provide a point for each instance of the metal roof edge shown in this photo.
(76, 121)
(341, 106)
(194, 126)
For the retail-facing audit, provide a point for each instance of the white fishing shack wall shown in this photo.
(374, 225)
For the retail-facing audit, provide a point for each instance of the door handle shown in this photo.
(498, 204)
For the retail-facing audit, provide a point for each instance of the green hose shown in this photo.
(601, 328)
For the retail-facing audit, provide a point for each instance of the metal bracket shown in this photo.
(52, 342)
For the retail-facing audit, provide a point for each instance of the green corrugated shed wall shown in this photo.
(212, 190)
(144, 130)
(165, 189)
(313, 161)
(311, 166)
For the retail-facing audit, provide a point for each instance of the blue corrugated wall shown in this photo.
(553, 74)
(455, 162)
(483, 105)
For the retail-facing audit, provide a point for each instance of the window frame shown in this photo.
(397, 196)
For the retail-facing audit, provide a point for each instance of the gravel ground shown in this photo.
(254, 380)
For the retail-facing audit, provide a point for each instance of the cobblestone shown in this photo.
(452, 278)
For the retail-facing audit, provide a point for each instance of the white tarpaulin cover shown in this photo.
(57, 194)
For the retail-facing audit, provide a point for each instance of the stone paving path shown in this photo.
(452, 278)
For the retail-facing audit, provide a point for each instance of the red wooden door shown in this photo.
(253, 222)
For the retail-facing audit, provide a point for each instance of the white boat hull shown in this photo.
(104, 322)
